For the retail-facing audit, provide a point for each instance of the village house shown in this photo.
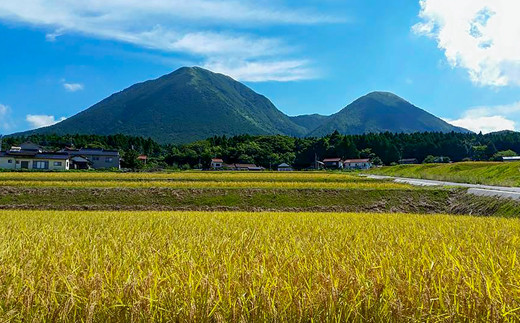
(408, 161)
(247, 167)
(217, 163)
(143, 158)
(31, 157)
(285, 168)
(97, 158)
(511, 159)
(333, 163)
(357, 164)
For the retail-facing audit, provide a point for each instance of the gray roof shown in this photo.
(58, 156)
(79, 159)
(284, 165)
(52, 156)
(93, 152)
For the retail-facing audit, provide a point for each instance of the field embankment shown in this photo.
(486, 173)
(203, 266)
(206, 191)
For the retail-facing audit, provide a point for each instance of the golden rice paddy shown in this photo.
(203, 266)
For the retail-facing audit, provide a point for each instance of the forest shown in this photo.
(269, 151)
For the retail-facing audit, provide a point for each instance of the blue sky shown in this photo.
(458, 60)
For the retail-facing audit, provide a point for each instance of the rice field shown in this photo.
(197, 180)
(207, 266)
(208, 184)
(185, 176)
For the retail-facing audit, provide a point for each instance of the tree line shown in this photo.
(269, 151)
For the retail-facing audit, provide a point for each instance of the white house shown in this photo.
(30, 156)
(511, 159)
(217, 163)
(357, 164)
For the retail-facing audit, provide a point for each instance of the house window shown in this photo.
(94, 158)
(17, 162)
(109, 159)
(58, 164)
(9, 161)
(41, 165)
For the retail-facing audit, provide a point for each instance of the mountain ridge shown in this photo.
(193, 103)
(381, 111)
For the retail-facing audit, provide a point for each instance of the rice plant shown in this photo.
(196, 266)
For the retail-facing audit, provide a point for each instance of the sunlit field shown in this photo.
(123, 266)
(267, 180)
(208, 184)
(185, 176)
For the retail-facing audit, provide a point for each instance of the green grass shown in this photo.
(257, 267)
(488, 173)
(417, 200)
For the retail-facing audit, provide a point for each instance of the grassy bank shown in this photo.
(197, 266)
(419, 200)
(357, 200)
(488, 173)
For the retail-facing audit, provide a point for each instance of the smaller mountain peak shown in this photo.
(388, 98)
(383, 94)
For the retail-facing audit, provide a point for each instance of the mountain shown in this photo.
(310, 121)
(186, 105)
(193, 103)
(381, 112)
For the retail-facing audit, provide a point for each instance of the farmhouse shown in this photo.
(247, 167)
(31, 156)
(333, 163)
(143, 158)
(217, 163)
(357, 164)
(408, 161)
(97, 158)
(511, 159)
(285, 168)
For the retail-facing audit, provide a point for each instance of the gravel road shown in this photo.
(475, 189)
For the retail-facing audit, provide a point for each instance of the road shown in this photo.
(475, 189)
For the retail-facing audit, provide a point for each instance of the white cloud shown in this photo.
(5, 118)
(197, 27)
(484, 124)
(38, 121)
(280, 71)
(489, 119)
(481, 36)
(51, 37)
(73, 87)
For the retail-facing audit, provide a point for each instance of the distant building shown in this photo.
(408, 161)
(143, 158)
(31, 156)
(247, 167)
(317, 165)
(511, 159)
(357, 164)
(333, 163)
(285, 168)
(97, 158)
(217, 163)
(79, 162)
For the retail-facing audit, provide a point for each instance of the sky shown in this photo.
(459, 60)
